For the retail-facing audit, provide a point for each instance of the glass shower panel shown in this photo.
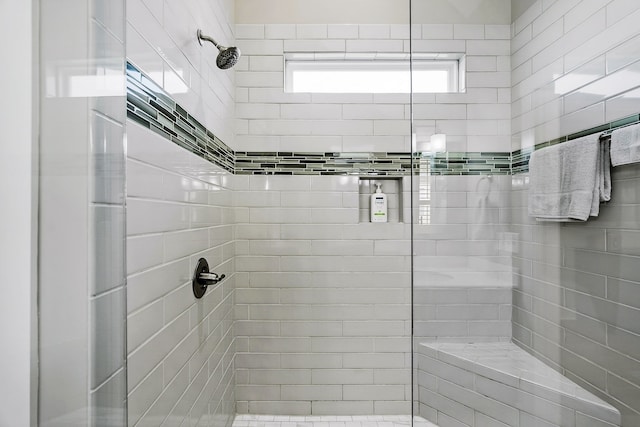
(519, 320)
(81, 255)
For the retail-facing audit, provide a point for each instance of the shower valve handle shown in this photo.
(202, 278)
(206, 279)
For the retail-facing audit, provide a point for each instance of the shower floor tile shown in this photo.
(329, 421)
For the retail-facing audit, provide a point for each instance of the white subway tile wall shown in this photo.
(180, 349)
(270, 119)
(323, 296)
(162, 43)
(575, 67)
(574, 287)
(323, 324)
(462, 267)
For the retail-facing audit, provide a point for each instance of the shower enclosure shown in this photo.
(461, 310)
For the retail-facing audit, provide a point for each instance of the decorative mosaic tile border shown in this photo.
(520, 158)
(378, 164)
(470, 163)
(297, 163)
(151, 107)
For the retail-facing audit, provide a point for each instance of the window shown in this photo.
(373, 73)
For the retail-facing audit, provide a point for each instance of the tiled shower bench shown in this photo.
(499, 384)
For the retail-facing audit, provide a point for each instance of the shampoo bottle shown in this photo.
(378, 205)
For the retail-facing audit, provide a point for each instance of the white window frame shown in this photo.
(452, 63)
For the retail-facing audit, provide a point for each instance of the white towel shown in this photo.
(568, 180)
(625, 145)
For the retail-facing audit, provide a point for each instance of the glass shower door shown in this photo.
(81, 224)
(519, 320)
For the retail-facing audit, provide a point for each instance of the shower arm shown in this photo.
(209, 39)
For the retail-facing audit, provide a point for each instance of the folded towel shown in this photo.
(625, 145)
(568, 180)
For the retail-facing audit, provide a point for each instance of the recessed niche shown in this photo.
(392, 187)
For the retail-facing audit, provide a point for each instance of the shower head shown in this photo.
(227, 57)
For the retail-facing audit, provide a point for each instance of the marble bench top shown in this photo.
(507, 363)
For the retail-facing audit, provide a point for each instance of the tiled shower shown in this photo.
(462, 310)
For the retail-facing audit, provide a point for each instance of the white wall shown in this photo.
(180, 349)
(461, 263)
(324, 296)
(518, 7)
(323, 314)
(372, 12)
(18, 228)
(573, 68)
(268, 119)
(577, 286)
(162, 42)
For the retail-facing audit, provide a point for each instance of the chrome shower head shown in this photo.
(228, 56)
